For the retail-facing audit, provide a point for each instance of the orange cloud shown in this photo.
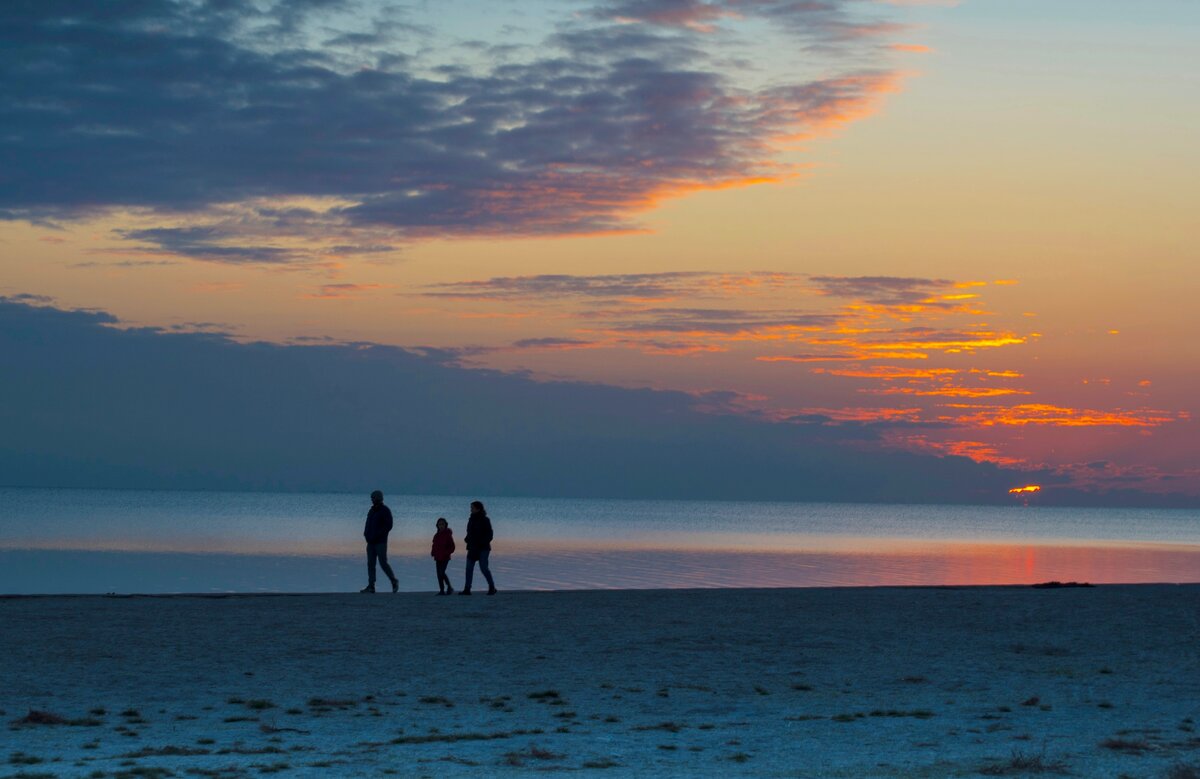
(948, 392)
(1060, 416)
(979, 451)
(889, 372)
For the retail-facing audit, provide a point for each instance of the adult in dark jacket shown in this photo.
(379, 524)
(479, 547)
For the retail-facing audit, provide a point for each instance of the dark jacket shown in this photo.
(379, 524)
(479, 533)
(443, 545)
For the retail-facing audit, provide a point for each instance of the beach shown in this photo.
(836, 682)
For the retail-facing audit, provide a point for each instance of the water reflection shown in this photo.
(80, 571)
(160, 541)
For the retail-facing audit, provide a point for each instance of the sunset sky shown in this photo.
(947, 229)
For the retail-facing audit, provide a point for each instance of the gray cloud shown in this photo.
(180, 107)
(881, 290)
(552, 343)
(201, 243)
(546, 286)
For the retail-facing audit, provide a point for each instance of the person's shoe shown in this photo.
(464, 592)
(449, 590)
(368, 588)
(441, 592)
(492, 591)
(395, 585)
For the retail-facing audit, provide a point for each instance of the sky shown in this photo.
(838, 246)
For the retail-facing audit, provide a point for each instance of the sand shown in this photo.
(869, 682)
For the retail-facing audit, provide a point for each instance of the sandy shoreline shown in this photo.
(887, 682)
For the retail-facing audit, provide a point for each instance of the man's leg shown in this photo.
(483, 567)
(381, 552)
(370, 566)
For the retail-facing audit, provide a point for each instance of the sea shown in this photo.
(129, 541)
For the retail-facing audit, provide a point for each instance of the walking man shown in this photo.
(379, 524)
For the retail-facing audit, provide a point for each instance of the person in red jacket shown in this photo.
(443, 547)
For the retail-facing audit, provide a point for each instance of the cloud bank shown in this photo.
(96, 405)
(234, 127)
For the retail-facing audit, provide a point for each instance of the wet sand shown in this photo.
(866, 682)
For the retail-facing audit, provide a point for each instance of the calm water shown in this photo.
(157, 541)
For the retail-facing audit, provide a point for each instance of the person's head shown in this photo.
(377, 497)
(477, 507)
(442, 524)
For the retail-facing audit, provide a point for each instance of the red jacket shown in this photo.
(443, 544)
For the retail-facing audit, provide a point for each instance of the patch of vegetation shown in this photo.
(331, 703)
(434, 700)
(39, 717)
(670, 727)
(1132, 746)
(758, 688)
(241, 750)
(532, 752)
(240, 718)
(450, 738)
(604, 762)
(20, 758)
(738, 757)
(259, 704)
(544, 695)
(802, 687)
(167, 751)
(1026, 763)
(915, 713)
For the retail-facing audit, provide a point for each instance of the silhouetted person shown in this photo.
(443, 547)
(479, 546)
(379, 524)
